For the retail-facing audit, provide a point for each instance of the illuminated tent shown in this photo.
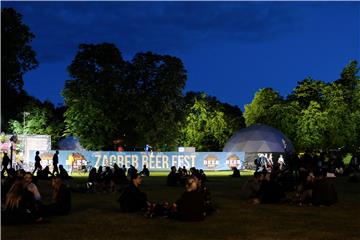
(70, 143)
(259, 138)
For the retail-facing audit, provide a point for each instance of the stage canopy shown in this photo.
(259, 138)
(70, 143)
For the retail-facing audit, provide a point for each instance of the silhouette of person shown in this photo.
(37, 162)
(132, 199)
(145, 171)
(5, 162)
(55, 162)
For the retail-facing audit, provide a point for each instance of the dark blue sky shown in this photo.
(229, 49)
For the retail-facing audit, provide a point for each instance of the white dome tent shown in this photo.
(259, 138)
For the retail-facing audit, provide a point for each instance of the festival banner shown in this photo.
(155, 161)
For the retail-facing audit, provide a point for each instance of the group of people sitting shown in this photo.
(109, 180)
(276, 186)
(22, 202)
(193, 205)
(179, 176)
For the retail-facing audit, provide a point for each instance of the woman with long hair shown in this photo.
(19, 205)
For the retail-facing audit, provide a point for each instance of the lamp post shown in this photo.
(24, 131)
(24, 122)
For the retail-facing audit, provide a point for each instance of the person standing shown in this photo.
(37, 162)
(55, 162)
(5, 162)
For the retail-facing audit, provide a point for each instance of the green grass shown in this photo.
(96, 216)
(208, 173)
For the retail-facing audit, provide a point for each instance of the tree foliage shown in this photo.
(40, 118)
(109, 99)
(316, 115)
(17, 58)
(159, 81)
(94, 94)
(306, 91)
(311, 127)
(208, 123)
(259, 110)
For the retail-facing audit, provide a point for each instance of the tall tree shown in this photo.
(17, 58)
(204, 128)
(137, 102)
(159, 81)
(285, 117)
(340, 123)
(311, 128)
(93, 95)
(258, 111)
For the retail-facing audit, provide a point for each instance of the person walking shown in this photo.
(37, 162)
(55, 162)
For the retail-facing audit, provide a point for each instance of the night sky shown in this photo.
(229, 49)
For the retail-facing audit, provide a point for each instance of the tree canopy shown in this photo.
(316, 115)
(17, 58)
(135, 102)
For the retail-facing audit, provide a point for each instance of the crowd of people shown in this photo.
(311, 181)
(310, 177)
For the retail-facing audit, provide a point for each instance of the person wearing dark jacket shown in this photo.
(172, 178)
(132, 199)
(191, 205)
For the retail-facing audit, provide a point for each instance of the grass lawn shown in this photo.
(97, 216)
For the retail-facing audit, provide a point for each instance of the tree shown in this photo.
(285, 117)
(208, 123)
(311, 127)
(17, 58)
(157, 101)
(233, 116)
(306, 91)
(94, 94)
(258, 111)
(204, 128)
(42, 118)
(135, 102)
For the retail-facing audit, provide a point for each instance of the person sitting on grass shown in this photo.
(31, 187)
(63, 173)
(132, 199)
(191, 205)
(91, 181)
(44, 173)
(304, 190)
(270, 191)
(20, 206)
(236, 172)
(145, 171)
(61, 199)
(250, 189)
(172, 178)
(324, 193)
